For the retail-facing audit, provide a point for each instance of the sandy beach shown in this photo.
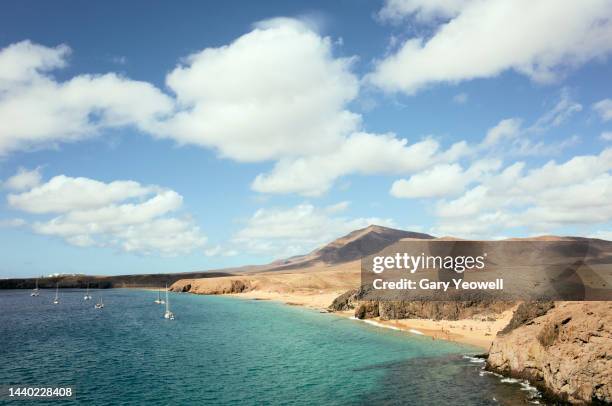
(317, 287)
(474, 331)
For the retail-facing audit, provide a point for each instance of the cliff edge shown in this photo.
(565, 350)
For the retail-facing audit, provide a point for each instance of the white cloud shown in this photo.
(505, 129)
(560, 113)
(442, 180)
(23, 179)
(295, 230)
(361, 153)
(576, 192)
(606, 136)
(576, 32)
(36, 110)
(510, 137)
(65, 194)
(275, 92)
(121, 214)
(338, 207)
(424, 10)
(604, 109)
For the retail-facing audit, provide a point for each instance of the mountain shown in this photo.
(353, 246)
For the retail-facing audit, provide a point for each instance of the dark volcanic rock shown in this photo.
(367, 310)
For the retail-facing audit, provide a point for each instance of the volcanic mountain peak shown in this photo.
(353, 246)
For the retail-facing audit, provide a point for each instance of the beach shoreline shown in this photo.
(474, 332)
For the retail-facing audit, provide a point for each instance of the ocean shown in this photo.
(226, 351)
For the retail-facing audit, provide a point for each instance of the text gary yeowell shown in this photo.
(413, 263)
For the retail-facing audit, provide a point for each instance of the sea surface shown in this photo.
(226, 351)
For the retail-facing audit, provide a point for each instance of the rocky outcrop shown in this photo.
(525, 313)
(213, 286)
(436, 310)
(441, 310)
(346, 301)
(565, 350)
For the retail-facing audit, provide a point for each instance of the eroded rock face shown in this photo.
(566, 352)
(440, 310)
(525, 313)
(346, 301)
(436, 310)
(217, 286)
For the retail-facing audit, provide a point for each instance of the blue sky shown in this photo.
(146, 137)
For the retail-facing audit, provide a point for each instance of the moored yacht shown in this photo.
(36, 291)
(100, 304)
(87, 295)
(159, 300)
(168, 314)
(56, 300)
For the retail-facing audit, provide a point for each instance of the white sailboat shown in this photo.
(159, 300)
(168, 314)
(87, 295)
(56, 300)
(100, 304)
(35, 292)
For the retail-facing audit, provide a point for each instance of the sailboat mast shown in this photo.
(167, 303)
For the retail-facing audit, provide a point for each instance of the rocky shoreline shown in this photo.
(564, 349)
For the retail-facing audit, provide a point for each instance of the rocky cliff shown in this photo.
(565, 350)
(435, 310)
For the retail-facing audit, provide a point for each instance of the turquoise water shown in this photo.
(227, 351)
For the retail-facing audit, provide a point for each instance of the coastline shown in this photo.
(477, 333)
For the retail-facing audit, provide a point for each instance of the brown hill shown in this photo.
(353, 246)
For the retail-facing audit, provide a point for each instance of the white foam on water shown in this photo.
(377, 324)
(413, 331)
(475, 360)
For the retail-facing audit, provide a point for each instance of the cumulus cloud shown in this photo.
(606, 136)
(443, 180)
(575, 33)
(121, 214)
(274, 92)
(37, 110)
(604, 109)
(361, 153)
(23, 179)
(295, 230)
(575, 192)
(423, 10)
(65, 194)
